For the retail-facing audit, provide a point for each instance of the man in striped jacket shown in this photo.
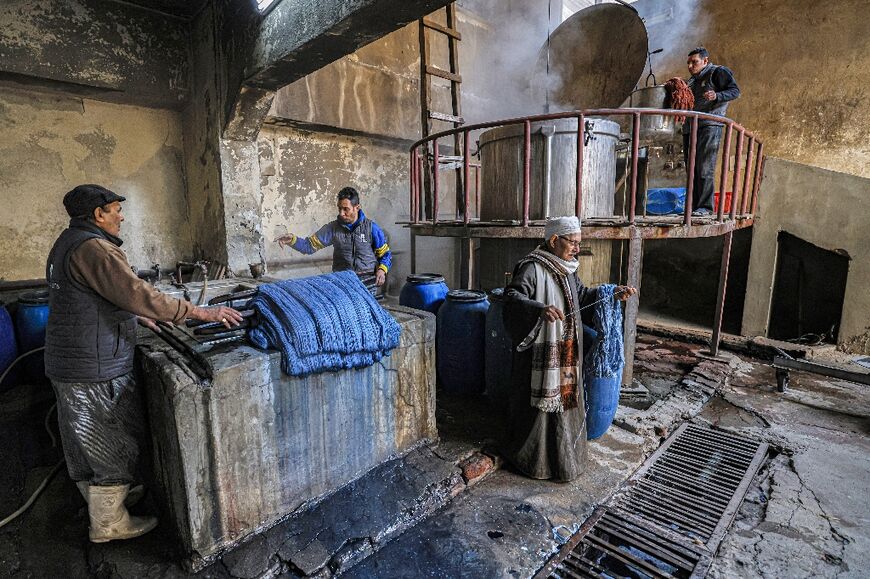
(360, 244)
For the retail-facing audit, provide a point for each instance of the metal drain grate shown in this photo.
(613, 543)
(694, 483)
(673, 515)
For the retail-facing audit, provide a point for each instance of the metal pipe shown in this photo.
(586, 112)
(734, 191)
(581, 145)
(548, 131)
(716, 337)
(723, 176)
(635, 150)
(465, 185)
(420, 179)
(527, 170)
(477, 190)
(690, 173)
(435, 182)
(747, 175)
(756, 178)
(413, 186)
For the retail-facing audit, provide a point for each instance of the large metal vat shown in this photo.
(653, 128)
(553, 170)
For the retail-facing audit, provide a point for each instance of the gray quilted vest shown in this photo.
(699, 86)
(88, 339)
(353, 248)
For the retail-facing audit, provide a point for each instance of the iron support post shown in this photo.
(716, 336)
(629, 332)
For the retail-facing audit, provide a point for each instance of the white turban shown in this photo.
(561, 226)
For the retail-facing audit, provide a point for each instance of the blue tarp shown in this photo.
(323, 323)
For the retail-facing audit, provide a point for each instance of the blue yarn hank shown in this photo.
(603, 364)
(323, 323)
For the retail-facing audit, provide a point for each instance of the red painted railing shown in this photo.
(746, 174)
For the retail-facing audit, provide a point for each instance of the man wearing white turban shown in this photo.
(543, 303)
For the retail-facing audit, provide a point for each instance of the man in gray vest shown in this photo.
(713, 87)
(94, 302)
(360, 244)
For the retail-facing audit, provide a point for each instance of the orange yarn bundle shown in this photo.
(680, 96)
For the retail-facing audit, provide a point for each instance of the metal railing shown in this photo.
(746, 174)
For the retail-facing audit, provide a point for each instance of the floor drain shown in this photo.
(613, 543)
(694, 483)
(673, 514)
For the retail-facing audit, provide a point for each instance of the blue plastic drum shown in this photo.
(30, 322)
(461, 341)
(424, 291)
(8, 346)
(498, 358)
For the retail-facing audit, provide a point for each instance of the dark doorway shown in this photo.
(808, 291)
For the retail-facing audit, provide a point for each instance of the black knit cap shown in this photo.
(81, 201)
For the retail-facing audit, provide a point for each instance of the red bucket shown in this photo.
(727, 202)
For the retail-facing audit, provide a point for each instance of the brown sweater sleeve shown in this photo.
(103, 267)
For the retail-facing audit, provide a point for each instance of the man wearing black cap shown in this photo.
(94, 301)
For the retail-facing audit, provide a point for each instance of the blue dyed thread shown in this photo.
(606, 358)
(323, 323)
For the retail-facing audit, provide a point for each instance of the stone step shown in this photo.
(360, 518)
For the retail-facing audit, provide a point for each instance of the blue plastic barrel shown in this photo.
(602, 399)
(666, 200)
(424, 291)
(8, 346)
(498, 358)
(30, 321)
(461, 341)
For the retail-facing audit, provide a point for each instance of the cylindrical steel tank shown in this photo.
(553, 169)
(653, 128)
(552, 190)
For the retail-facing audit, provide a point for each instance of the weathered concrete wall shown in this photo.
(801, 67)
(254, 445)
(116, 50)
(834, 217)
(373, 91)
(52, 143)
(302, 173)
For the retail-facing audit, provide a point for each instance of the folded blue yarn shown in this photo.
(323, 323)
(606, 358)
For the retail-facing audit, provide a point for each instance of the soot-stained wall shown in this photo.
(301, 173)
(52, 143)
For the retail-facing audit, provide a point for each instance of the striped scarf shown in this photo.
(555, 350)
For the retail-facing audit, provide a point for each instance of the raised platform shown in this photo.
(657, 227)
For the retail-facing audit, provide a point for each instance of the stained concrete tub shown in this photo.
(235, 456)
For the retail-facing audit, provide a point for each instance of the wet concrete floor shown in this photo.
(806, 515)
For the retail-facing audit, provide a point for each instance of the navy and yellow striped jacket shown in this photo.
(361, 246)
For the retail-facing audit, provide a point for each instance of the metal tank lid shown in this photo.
(596, 58)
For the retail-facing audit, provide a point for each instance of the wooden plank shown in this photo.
(440, 72)
(452, 32)
(446, 118)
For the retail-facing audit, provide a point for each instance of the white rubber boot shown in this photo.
(133, 497)
(109, 517)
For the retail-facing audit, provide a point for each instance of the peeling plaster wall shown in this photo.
(130, 55)
(801, 66)
(51, 143)
(303, 171)
(837, 219)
